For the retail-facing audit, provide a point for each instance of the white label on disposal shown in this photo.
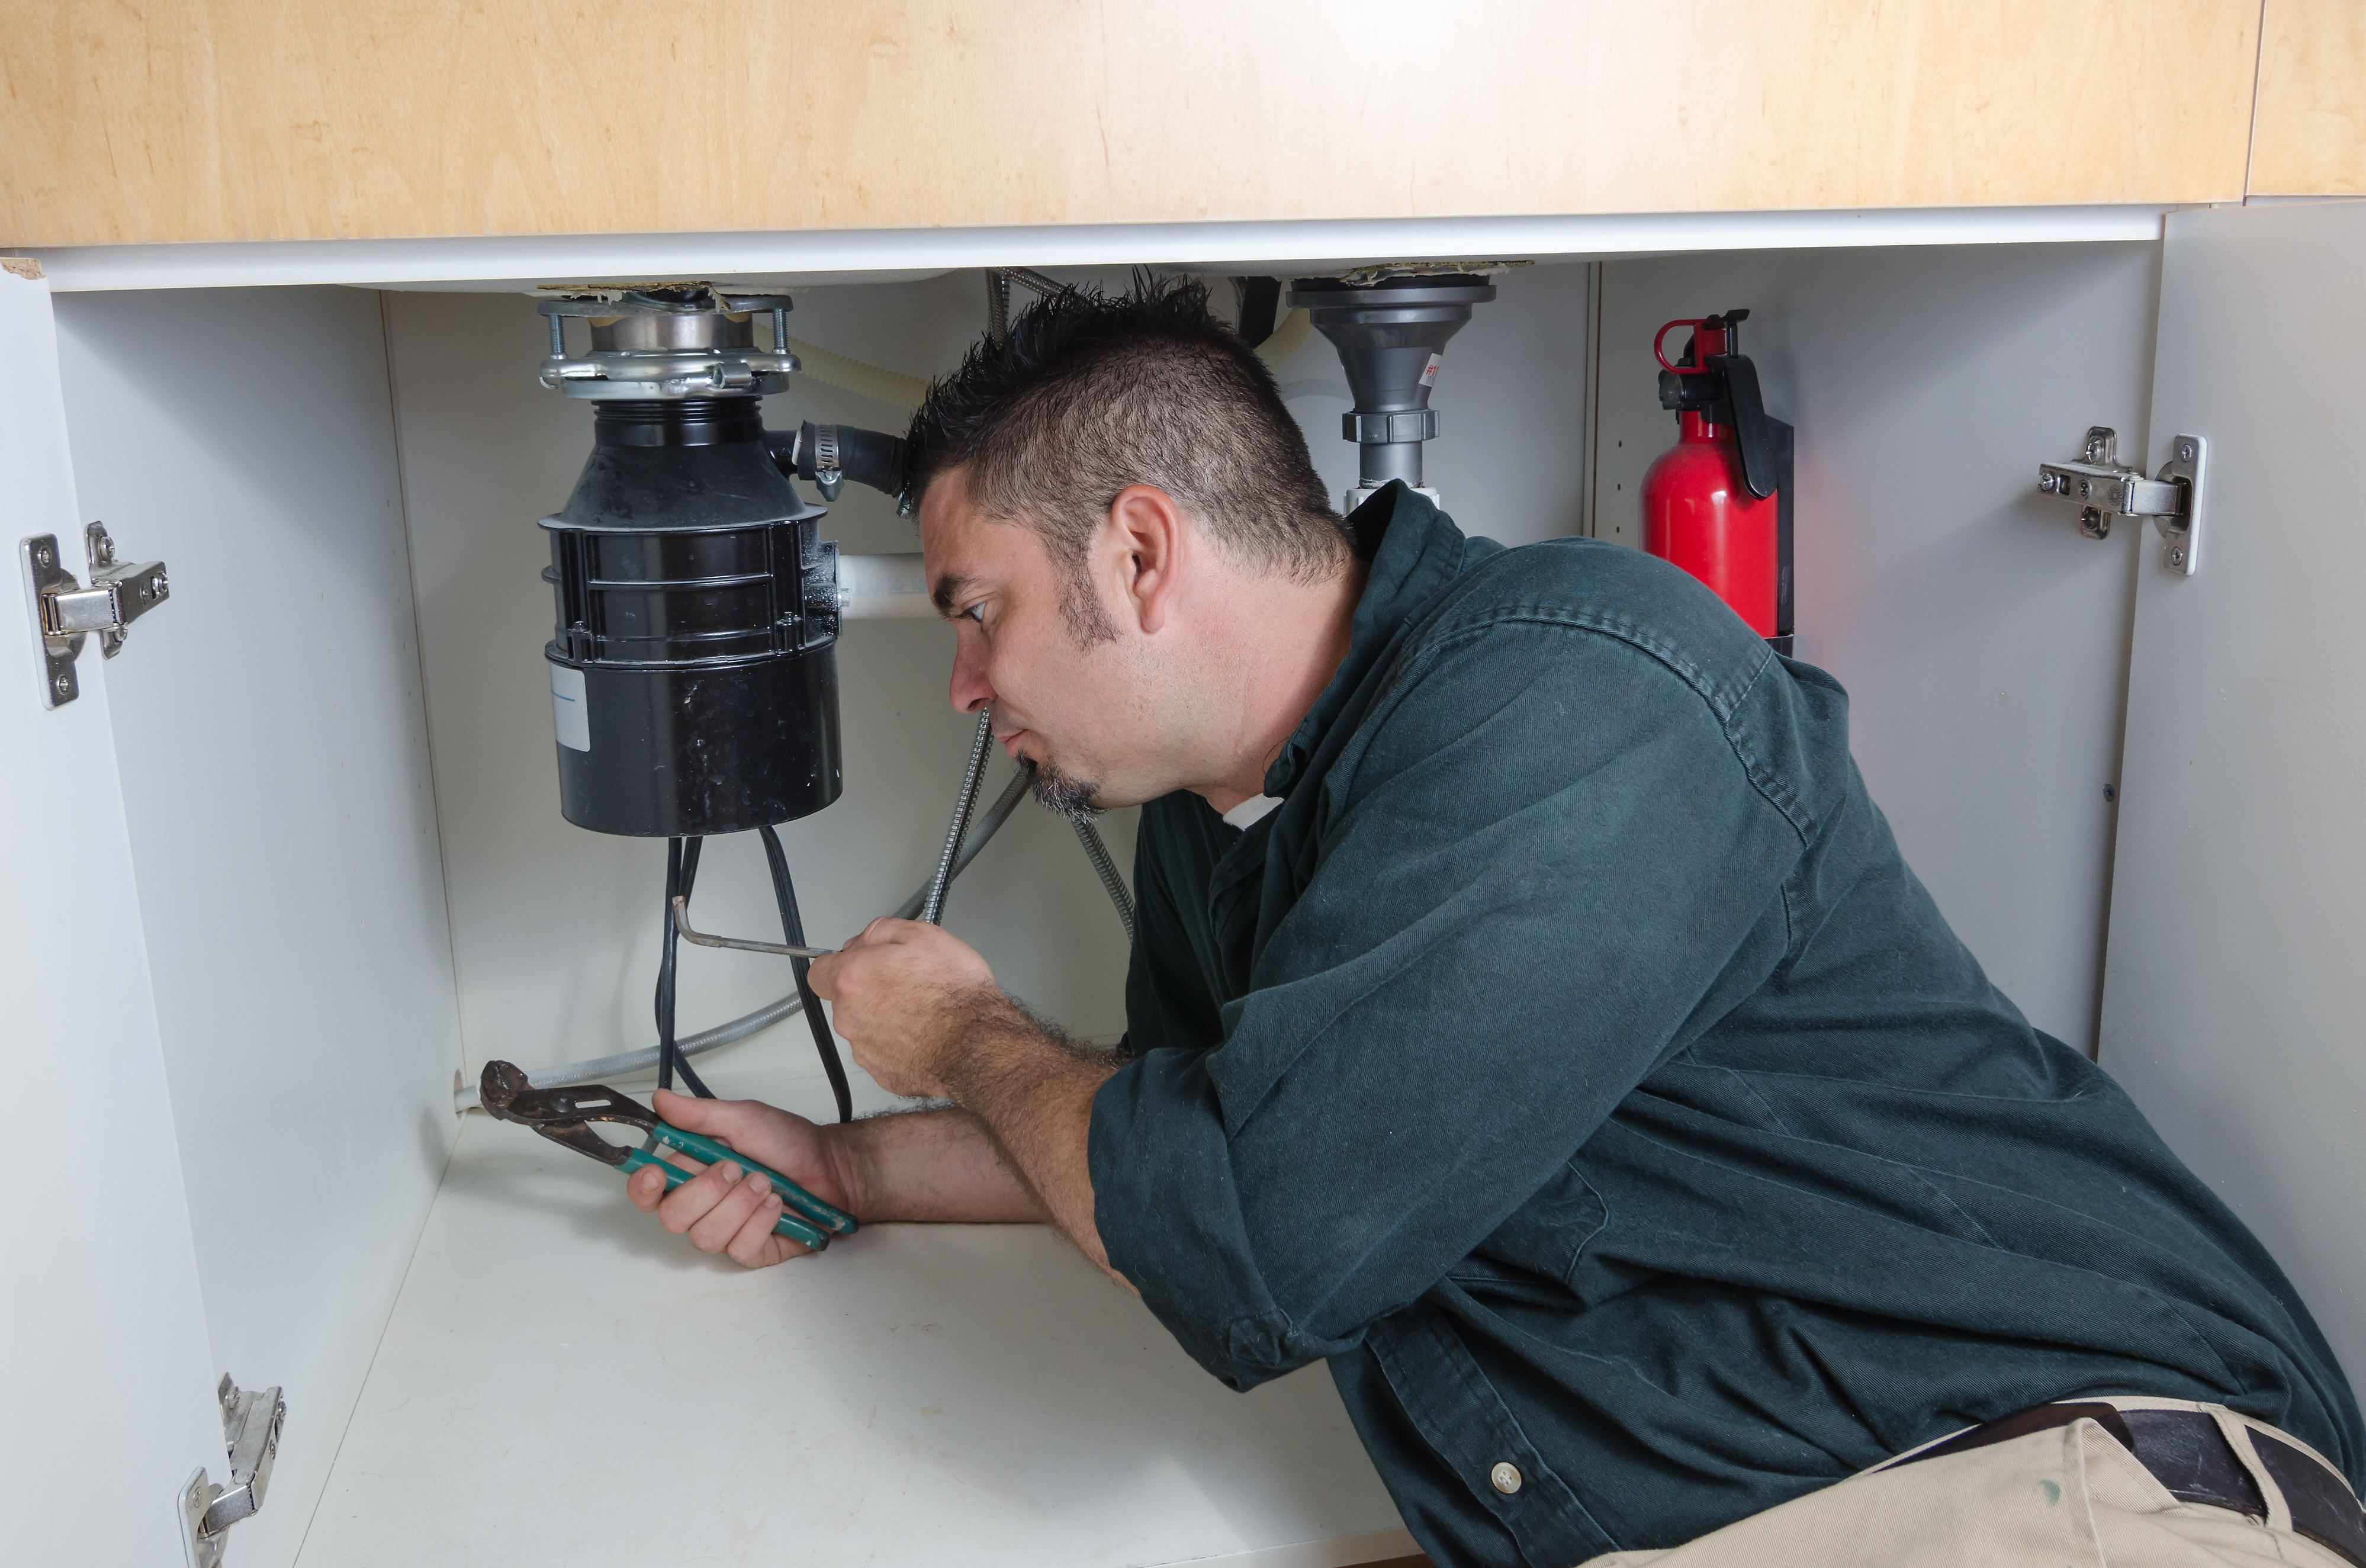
(1429, 371)
(569, 714)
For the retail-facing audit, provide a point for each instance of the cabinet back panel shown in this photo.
(556, 929)
(1982, 640)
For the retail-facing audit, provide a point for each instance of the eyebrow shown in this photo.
(949, 588)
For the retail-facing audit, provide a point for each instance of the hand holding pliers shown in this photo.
(565, 1116)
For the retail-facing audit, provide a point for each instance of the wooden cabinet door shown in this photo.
(2233, 1004)
(105, 1366)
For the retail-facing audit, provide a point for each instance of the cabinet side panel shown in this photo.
(1982, 640)
(276, 778)
(196, 119)
(2310, 139)
(2238, 913)
(104, 1365)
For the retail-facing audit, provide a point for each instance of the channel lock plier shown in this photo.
(565, 1116)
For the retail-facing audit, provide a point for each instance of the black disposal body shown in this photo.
(693, 674)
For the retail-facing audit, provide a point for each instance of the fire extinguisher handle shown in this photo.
(1661, 353)
(1752, 434)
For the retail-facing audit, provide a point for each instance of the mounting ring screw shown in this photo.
(2176, 557)
(41, 555)
(62, 685)
(2185, 451)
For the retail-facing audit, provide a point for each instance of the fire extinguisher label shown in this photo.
(1429, 371)
(571, 715)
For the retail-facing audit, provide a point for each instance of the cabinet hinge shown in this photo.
(64, 613)
(251, 1425)
(2105, 487)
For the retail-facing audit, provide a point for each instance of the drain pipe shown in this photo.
(1389, 336)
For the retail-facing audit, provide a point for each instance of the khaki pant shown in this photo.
(2069, 1496)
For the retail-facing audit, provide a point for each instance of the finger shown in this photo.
(716, 1227)
(645, 1186)
(823, 975)
(756, 1244)
(688, 1203)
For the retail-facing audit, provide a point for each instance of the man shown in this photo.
(1569, 1057)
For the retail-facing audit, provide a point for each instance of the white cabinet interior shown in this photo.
(1983, 639)
(555, 930)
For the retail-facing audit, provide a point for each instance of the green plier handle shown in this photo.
(820, 1221)
(565, 1115)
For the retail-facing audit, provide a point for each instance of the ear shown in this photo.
(1146, 544)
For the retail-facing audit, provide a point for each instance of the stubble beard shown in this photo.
(1065, 796)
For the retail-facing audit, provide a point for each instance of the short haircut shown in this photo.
(1090, 393)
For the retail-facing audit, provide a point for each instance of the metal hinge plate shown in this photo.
(64, 613)
(2105, 487)
(251, 1423)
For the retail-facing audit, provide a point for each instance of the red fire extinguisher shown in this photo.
(1719, 502)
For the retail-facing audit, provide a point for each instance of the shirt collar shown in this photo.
(1412, 550)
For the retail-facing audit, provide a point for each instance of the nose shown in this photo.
(971, 690)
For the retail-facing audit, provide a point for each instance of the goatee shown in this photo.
(1070, 797)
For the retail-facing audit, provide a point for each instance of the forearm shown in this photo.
(937, 1165)
(1033, 1093)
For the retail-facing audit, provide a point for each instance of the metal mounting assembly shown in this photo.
(2105, 487)
(251, 1423)
(674, 341)
(64, 613)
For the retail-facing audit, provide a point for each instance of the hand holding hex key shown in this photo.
(682, 927)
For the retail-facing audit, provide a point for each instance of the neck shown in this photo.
(1285, 643)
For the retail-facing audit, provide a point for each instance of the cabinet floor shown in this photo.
(563, 1382)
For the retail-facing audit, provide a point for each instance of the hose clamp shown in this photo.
(829, 477)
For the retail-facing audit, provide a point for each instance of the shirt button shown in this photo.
(1506, 1477)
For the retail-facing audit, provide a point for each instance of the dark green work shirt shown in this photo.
(1574, 1062)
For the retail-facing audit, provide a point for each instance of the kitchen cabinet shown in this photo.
(208, 120)
(292, 863)
(2310, 136)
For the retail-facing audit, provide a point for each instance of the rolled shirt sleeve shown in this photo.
(1543, 861)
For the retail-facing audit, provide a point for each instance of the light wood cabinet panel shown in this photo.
(2311, 135)
(247, 120)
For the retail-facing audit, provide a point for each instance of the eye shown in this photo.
(974, 613)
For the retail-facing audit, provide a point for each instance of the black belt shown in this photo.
(2186, 1452)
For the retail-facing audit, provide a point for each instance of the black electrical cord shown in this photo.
(793, 931)
(682, 872)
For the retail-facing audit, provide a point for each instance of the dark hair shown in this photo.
(1090, 393)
